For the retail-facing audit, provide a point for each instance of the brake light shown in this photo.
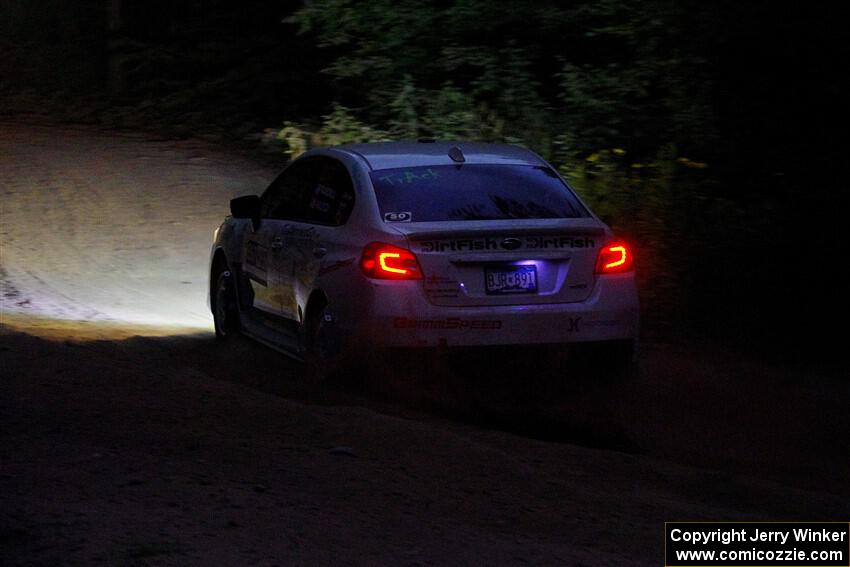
(615, 257)
(388, 262)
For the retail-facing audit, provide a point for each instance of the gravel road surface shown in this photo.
(128, 436)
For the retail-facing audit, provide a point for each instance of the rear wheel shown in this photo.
(321, 356)
(225, 310)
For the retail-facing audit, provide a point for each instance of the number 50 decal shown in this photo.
(398, 217)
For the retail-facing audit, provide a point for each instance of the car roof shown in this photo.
(387, 155)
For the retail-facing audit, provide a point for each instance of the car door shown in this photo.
(286, 221)
(266, 264)
(257, 270)
(313, 239)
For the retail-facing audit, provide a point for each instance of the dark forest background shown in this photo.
(709, 133)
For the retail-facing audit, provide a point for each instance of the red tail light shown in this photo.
(388, 262)
(615, 257)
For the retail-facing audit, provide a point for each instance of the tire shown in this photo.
(321, 356)
(224, 307)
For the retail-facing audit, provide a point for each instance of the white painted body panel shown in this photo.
(574, 305)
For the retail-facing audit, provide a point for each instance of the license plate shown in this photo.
(519, 279)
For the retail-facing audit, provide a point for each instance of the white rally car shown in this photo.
(420, 244)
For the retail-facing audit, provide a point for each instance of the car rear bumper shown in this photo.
(399, 316)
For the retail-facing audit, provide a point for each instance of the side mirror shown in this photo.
(246, 207)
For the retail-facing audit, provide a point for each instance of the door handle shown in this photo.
(319, 252)
(277, 244)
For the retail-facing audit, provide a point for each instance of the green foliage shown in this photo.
(338, 127)
(609, 90)
(566, 81)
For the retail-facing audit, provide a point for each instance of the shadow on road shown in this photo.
(688, 407)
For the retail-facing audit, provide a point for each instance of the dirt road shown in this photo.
(129, 437)
(112, 227)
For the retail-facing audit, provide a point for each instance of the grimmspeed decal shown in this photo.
(509, 243)
(449, 323)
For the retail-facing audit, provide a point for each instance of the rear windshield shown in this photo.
(473, 192)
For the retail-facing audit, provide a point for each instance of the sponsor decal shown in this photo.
(559, 242)
(451, 323)
(409, 176)
(405, 216)
(510, 243)
(296, 232)
(439, 286)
